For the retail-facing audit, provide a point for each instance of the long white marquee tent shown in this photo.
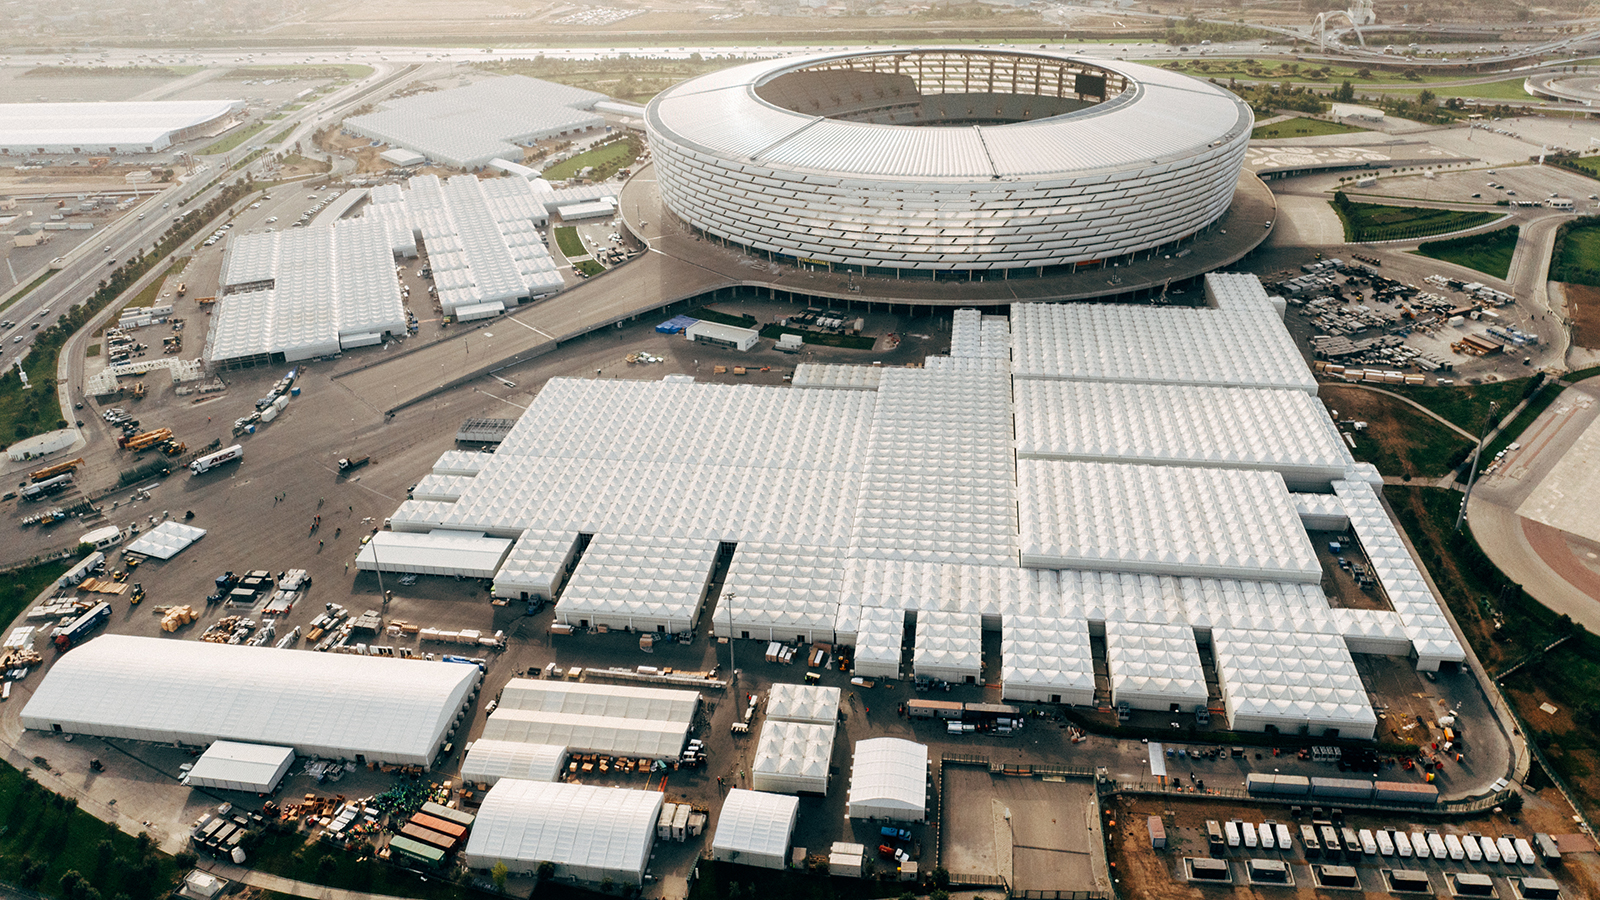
(590, 833)
(192, 692)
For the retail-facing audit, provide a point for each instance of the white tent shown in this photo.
(588, 734)
(193, 692)
(590, 833)
(1046, 660)
(233, 766)
(642, 583)
(439, 552)
(165, 540)
(793, 757)
(803, 703)
(1154, 665)
(753, 829)
(489, 761)
(879, 635)
(614, 700)
(889, 780)
(949, 645)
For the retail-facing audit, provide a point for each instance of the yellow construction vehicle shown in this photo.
(57, 469)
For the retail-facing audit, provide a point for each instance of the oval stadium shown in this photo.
(943, 159)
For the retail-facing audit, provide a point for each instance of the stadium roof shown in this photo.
(590, 833)
(1161, 115)
(469, 126)
(127, 125)
(150, 689)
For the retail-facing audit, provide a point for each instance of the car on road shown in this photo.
(17, 339)
(107, 249)
(112, 261)
(271, 219)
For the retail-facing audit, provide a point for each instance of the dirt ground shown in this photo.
(1583, 307)
(1152, 874)
(1567, 744)
(1399, 440)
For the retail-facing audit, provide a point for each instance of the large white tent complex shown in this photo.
(619, 701)
(753, 829)
(131, 126)
(889, 780)
(192, 692)
(592, 718)
(1145, 474)
(811, 703)
(589, 833)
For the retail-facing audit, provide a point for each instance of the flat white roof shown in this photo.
(812, 703)
(226, 763)
(588, 734)
(488, 761)
(161, 690)
(618, 701)
(469, 126)
(439, 552)
(127, 125)
(889, 773)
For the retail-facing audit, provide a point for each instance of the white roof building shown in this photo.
(232, 766)
(616, 701)
(590, 833)
(134, 126)
(889, 780)
(488, 761)
(192, 692)
(305, 292)
(792, 757)
(753, 829)
(1154, 665)
(643, 583)
(1046, 660)
(588, 734)
(949, 645)
(811, 703)
(469, 126)
(439, 552)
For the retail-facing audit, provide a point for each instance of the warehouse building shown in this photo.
(889, 780)
(133, 126)
(385, 710)
(489, 761)
(303, 293)
(1076, 485)
(592, 718)
(792, 758)
(754, 829)
(468, 127)
(591, 834)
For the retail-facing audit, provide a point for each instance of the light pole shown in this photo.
(727, 600)
(1476, 453)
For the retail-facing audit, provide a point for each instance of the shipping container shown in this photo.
(1419, 845)
(1158, 832)
(1313, 845)
(1405, 792)
(416, 851)
(933, 709)
(427, 836)
(1547, 847)
(1369, 844)
(1491, 850)
(1402, 844)
(1214, 835)
(1453, 846)
(1525, 853)
(433, 809)
(1341, 788)
(1469, 843)
(434, 823)
(1231, 829)
(1385, 843)
(1285, 842)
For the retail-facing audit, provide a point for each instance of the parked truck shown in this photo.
(352, 463)
(213, 460)
(58, 469)
(47, 487)
(79, 629)
(144, 439)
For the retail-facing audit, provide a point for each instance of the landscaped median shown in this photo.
(1489, 252)
(1368, 222)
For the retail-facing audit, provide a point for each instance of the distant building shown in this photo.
(1343, 111)
(119, 127)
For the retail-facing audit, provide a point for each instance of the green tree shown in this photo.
(546, 871)
(1426, 97)
(1344, 93)
(499, 874)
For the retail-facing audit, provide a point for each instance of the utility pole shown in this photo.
(727, 600)
(1473, 476)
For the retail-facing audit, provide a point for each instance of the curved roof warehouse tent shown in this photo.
(889, 780)
(134, 126)
(233, 766)
(945, 158)
(588, 734)
(439, 552)
(489, 761)
(753, 829)
(147, 689)
(590, 833)
(615, 700)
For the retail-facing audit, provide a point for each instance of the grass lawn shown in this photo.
(233, 140)
(571, 246)
(1576, 258)
(605, 160)
(847, 341)
(1510, 89)
(1588, 165)
(1275, 71)
(91, 351)
(1466, 405)
(278, 138)
(588, 267)
(1301, 127)
(147, 297)
(1373, 222)
(1398, 440)
(290, 856)
(1581, 374)
(1489, 253)
(29, 289)
(710, 315)
(308, 70)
